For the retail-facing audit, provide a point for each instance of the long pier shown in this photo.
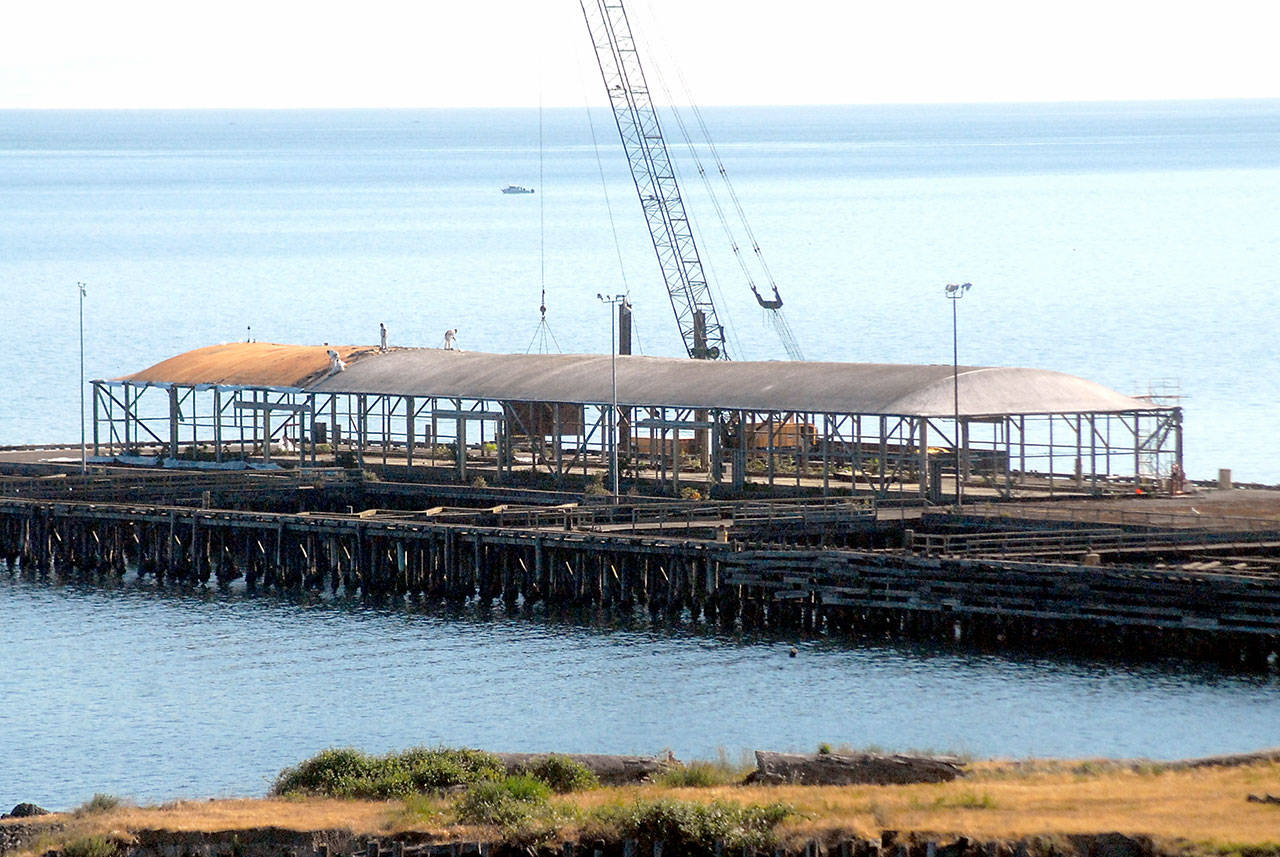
(841, 569)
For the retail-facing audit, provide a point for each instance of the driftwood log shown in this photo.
(840, 769)
(612, 770)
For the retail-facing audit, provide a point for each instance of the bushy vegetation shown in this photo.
(98, 804)
(562, 774)
(689, 827)
(91, 846)
(699, 775)
(348, 773)
(595, 487)
(508, 803)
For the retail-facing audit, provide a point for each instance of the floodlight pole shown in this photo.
(955, 291)
(84, 455)
(614, 303)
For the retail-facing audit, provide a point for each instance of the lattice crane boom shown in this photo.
(655, 178)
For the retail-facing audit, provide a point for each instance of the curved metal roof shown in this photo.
(848, 388)
(248, 364)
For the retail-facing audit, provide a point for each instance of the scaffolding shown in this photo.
(714, 448)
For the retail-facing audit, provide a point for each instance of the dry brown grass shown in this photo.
(997, 801)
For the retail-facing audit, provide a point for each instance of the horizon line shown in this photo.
(606, 106)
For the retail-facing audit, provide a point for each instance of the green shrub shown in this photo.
(443, 768)
(562, 774)
(421, 808)
(350, 773)
(91, 846)
(506, 804)
(691, 828)
(99, 803)
(698, 775)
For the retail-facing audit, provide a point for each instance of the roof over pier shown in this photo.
(811, 387)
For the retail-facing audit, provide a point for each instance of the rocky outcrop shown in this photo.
(255, 842)
(15, 835)
(25, 810)
(842, 769)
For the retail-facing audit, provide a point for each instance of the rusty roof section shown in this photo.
(843, 388)
(249, 364)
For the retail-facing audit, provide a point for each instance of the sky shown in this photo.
(432, 53)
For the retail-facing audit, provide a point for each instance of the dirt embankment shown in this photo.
(1033, 808)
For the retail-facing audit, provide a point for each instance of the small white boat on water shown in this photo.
(515, 188)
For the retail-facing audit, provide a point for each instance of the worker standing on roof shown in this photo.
(382, 330)
(451, 339)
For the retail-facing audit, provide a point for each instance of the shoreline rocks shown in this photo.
(843, 769)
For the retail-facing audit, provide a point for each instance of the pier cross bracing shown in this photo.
(713, 427)
(857, 549)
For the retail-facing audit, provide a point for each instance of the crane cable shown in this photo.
(774, 314)
(604, 184)
(543, 336)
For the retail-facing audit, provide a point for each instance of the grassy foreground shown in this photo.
(1200, 810)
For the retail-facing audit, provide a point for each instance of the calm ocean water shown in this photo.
(1131, 244)
(163, 696)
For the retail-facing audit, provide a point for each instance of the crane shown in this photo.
(655, 179)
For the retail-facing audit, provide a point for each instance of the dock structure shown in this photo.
(839, 567)
(796, 498)
(717, 428)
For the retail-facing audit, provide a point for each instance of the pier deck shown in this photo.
(836, 567)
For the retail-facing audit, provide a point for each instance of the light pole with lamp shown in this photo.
(955, 291)
(84, 456)
(614, 303)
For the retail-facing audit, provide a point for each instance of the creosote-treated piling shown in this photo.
(1134, 611)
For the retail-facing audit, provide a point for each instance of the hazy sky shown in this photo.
(386, 53)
